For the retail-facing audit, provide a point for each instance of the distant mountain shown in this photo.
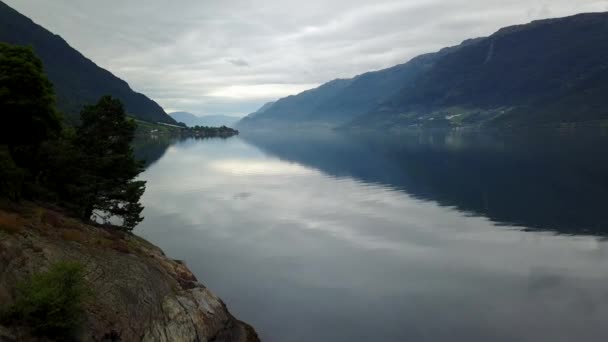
(76, 79)
(206, 120)
(262, 109)
(544, 73)
(340, 101)
(331, 104)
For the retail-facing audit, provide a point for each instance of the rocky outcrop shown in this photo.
(138, 294)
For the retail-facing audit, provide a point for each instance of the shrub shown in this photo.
(11, 176)
(50, 303)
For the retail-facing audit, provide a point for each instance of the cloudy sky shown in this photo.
(231, 56)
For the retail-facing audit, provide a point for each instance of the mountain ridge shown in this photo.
(547, 72)
(360, 93)
(77, 79)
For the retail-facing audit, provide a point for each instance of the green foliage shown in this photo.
(27, 105)
(29, 116)
(61, 158)
(26, 98)
(11, 176)
(107, 188)
(131, 209)
(90, 170)
(206, 131)
(50, 303)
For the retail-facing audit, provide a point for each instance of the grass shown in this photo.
(50, 303)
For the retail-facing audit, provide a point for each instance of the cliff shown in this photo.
(137, 293)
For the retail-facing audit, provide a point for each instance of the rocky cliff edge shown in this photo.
(138, 293)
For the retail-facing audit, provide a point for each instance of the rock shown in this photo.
(138, 294)
(6, 335)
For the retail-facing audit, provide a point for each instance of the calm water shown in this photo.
(418, 237)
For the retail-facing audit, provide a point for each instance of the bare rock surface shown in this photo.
(138, 294)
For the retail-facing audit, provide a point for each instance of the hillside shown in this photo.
(544, 73)
(76, 79)
(207, 120)
(338, 101)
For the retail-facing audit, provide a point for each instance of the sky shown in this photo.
(231, 56)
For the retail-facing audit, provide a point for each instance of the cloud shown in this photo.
(238, 62)
(231, 56)
(259, 91)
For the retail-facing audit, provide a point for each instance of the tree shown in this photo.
(107, 187)
(11, 177)
(51, 303)
(27, 103)
(91, 170)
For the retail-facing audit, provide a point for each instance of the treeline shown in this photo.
(88, 169)
(206, 131)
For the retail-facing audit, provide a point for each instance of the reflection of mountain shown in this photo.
(150, 150)
(543, 182)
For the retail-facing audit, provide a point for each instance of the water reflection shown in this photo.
(150, 150)
(541, 180)
(328, 237)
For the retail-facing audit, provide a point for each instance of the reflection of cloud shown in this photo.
(544, 280)
(242, 195)
(302, 233)
(293, 199)
(257, 167)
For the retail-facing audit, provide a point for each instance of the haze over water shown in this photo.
(417, 237)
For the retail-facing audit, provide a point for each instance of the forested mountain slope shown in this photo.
(77, 80)
(547, 72)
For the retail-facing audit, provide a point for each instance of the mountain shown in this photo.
(206, 120)
(77, 80)
(337, 101)
(547, 72)
(262, 109)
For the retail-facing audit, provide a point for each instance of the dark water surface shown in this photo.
(416, 237)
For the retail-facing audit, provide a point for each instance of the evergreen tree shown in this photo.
(107, 187)
(90, 170)
(27, 104)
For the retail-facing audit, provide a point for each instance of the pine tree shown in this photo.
(107, 186)
(27, 107)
